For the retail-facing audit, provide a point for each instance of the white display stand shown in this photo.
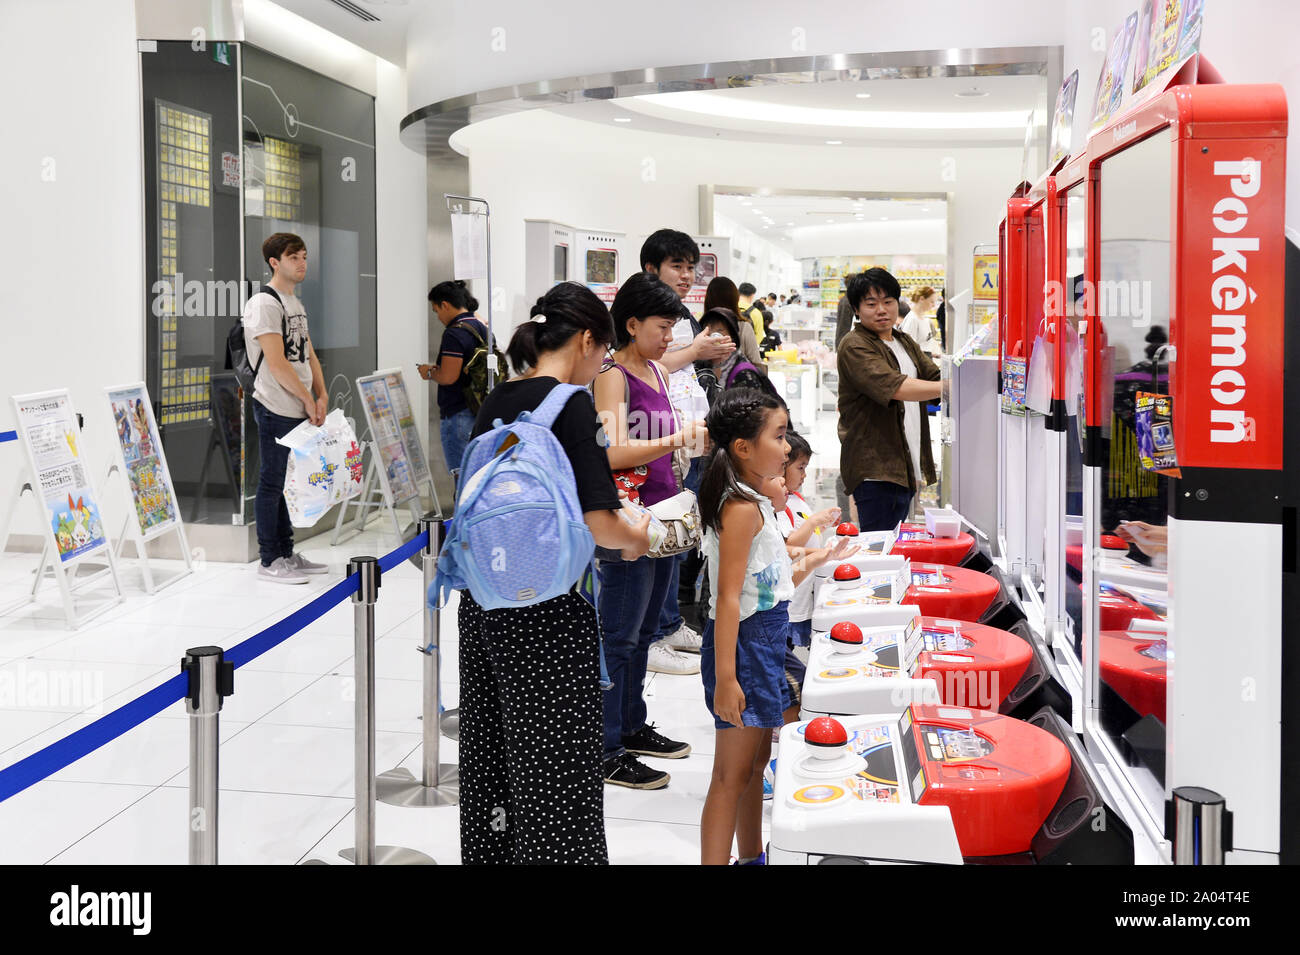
(146, 479)
(398, 467)
(55, 471)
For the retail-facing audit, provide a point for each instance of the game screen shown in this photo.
(602, 266)
(561, 265)
(706, 270)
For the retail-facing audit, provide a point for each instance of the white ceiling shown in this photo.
(788, 214)
(386, 38)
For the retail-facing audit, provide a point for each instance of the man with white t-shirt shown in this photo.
(289, 388)
(885, 379)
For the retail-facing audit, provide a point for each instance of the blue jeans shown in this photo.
(670, 618)
(455, 431)
(881, 505)
(631, 593)
(274, 532)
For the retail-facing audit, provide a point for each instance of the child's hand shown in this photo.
(826, 518)
(843, 549)
(729, 702)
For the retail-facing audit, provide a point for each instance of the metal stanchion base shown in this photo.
(449, 724)
(392, 855)
(398, 787)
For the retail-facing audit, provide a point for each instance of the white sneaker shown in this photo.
(304, 566)
(664, 659)
(684, 640)
(281, 572)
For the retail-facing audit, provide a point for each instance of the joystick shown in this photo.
(846, 637)
(826, 738)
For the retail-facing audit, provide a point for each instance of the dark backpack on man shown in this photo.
(237, 346)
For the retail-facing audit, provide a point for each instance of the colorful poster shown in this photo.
(145, 467)
(1063, 119)
(386, 433)
(1110, 84)
(401, 405)
(986, 277)
(49, 429)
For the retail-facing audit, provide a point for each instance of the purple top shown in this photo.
(649, 416)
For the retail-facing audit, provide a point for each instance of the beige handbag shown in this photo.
(680, 513)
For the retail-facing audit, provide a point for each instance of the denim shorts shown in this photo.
(801, 633)
(760, 668)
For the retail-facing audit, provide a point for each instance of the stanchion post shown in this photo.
(363, 618)
(211, 680)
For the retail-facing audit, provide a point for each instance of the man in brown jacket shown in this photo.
(885, 379)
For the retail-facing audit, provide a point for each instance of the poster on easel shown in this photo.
(48, 428)
(143, 462)
(400, 402)
(386, 435)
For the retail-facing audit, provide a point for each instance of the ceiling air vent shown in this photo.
(359, 12)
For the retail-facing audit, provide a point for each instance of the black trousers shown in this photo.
(531, 785)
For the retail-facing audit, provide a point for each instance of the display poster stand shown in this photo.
(398, 467)
(66, 503)
(147, 481)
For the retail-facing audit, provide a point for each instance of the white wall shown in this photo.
(543, 165)
(914, 236)
(72, 249)
(773, 268)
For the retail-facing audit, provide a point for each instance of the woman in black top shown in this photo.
(531, 731)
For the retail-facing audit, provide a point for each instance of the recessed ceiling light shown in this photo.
(789, 223)
(925, 208)
(622, 119)
(862, 95)
(973, 93)
(834, 142)
(830, 220)
(884, 218)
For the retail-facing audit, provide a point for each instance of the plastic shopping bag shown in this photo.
(324, 468)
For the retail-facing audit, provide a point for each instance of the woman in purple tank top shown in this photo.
(633, 405)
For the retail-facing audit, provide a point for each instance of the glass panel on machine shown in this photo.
(1075, 329)
(1132, 302)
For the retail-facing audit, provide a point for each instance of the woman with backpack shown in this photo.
(531, 786)
(463, 335)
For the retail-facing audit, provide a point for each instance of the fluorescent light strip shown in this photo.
(733, 107)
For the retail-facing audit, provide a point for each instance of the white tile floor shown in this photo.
(287, 741)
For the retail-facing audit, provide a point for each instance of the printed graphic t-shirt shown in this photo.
(263, 315)
(768, 579)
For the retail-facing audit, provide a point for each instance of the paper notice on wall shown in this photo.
(469, 245)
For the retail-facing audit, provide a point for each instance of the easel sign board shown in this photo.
(386, 433)
(401, 405)
(47, 427)
(142, 459)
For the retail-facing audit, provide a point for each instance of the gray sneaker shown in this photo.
(304, 566)
(281, 572)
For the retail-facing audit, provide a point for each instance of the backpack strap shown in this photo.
(544, 415)
(284, 330)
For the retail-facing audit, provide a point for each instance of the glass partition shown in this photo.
(1074, 331)
(309, 161)
(1038, 400)
(1132, 301)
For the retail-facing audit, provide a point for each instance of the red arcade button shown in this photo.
(847, 529)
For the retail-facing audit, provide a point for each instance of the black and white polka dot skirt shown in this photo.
(531, 786)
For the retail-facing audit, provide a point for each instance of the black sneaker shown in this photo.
(628, 771)
(647, 742)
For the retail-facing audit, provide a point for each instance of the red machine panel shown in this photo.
(972, 664)
(1133, 665)
(916, 543)
(944, 591)
(998, 777)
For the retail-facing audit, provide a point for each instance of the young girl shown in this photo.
(531, 788)
(801, 528)
(744, 641)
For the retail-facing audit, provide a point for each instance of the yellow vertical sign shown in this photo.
(986, 277)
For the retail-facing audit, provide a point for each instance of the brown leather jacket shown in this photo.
(873, 445)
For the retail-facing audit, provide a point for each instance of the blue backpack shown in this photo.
(518, 537)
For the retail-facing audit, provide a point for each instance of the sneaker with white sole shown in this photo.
(684, 640)
(664, 659)
(304, 566)
(281, 572)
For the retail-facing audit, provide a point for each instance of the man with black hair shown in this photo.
(289, 387)
(692, 385)
(885, 378)
(750, 311)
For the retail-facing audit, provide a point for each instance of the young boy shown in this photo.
(289, 388)
(801, 528)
